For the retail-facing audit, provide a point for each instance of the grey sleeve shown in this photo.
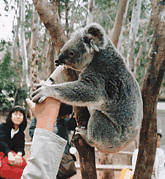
(46, 153)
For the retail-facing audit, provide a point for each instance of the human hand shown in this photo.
(46, 112)
(18, 159)
(11, 158)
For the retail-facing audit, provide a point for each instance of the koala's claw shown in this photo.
(42, 99)
(35, 92)
(81, 130)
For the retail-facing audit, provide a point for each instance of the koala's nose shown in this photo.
(60, 60)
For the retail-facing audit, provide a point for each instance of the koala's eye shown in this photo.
(71, 53)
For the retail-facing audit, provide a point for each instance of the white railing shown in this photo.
(101, 166)
(108, 167)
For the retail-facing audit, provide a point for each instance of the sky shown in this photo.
(6, 21)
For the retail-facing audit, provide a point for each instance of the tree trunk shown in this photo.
(118, 21)
(15, 37)
(137, 59)
(50, 57)
(15, 44)
(91, 5)
(86, 153)
(51, 20)
(34, 52)
(44, 51)
(23, 46)
(66, 17)
(133, 33)
(150, 92)
(56, 4)
(119, 45)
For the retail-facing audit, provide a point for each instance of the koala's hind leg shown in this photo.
(103, 132)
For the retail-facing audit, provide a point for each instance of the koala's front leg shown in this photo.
(42, 92)
(74, 93)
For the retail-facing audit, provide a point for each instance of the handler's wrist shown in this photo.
(46, 123)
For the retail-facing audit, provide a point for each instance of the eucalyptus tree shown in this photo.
(150, 92)
(25, 77)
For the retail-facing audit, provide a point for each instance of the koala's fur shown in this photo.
(105, 85)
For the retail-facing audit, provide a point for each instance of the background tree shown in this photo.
(133, 33)
(119, 21)
(34, 52)
(150, 91)
(25, 78)
(91, 5)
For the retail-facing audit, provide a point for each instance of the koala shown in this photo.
(105, 86)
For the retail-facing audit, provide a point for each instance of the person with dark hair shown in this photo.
(12, 143)
(63, 125)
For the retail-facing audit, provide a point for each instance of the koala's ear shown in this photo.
(95, 36)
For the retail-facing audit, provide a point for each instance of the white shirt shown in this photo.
(13, 132)
(162, 174)
(158, 164)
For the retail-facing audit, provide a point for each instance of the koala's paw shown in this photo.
(82, 131)
(40, 94)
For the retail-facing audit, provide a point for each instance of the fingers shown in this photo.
(11, 159)
(44, 108)
(18, 160)
(30, 104)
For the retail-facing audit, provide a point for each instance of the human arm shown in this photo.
(4, 143)
(18, 145)
(47, 148)
(20, 148)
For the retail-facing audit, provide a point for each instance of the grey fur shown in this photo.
(105, 85)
